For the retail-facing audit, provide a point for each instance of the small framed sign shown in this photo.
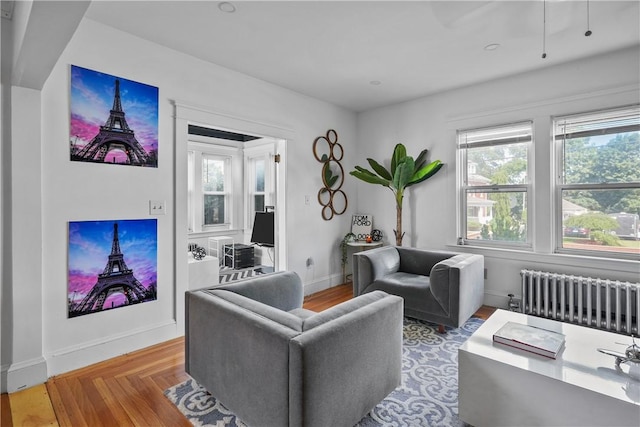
(361, 225)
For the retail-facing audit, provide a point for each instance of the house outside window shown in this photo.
(494, 168)
(598, 183)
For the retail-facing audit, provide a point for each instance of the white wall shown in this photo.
(72, 191)
(430, 218)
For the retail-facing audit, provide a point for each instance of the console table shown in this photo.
(504, 386)
(360, 245)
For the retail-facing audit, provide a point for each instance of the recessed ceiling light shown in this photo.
(492, 46)
(227, 7)
(375, 82)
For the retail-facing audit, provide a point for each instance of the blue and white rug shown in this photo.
(428, 395)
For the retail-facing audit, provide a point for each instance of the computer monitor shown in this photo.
(263, 226)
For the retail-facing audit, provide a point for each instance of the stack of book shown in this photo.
(536, 340)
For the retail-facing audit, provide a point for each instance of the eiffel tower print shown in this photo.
(115, 136)
(116, 278)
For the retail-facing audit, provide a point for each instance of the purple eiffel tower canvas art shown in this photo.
(113, 120)
(111, 264)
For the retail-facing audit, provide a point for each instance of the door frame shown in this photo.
(184, 115)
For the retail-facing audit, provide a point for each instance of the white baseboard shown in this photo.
(494, 299)
(85, 354)
(322, 284)
(25, 374)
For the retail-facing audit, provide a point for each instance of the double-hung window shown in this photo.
(257, 192)
(598, 182)
(259, 179)
(494, 173)
(210, 187)
(215, 170)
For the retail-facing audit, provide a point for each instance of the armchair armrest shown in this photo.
(347, 362)
(457, 283)
(371, 265)
(230, 349)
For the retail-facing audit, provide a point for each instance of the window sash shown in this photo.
(601, 123)
(223, 192)
(199, 219)
(608, 122)
(489, 208)
(517, 134)
(258, 164)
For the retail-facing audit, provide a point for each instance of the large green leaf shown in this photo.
(404, 172)
(399, 154)
(421, 160)
(366, 171)
(380, 170)
(367, 176)
(425, 173)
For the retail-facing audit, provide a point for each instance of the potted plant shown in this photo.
(349, 237)
(404, 172)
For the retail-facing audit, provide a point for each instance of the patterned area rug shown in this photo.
(230, 275)
(428, 395)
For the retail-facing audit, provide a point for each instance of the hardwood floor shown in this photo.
(127, 390)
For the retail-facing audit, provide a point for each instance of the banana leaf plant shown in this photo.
(404, 172)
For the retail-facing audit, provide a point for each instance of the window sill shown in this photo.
(612, 264)
(196, 234)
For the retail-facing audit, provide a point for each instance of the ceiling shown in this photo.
(367, 54)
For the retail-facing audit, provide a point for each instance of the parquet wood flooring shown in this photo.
(5, 411)
(32, 407)
(123, 391)
(128, 390)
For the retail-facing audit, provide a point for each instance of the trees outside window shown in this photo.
(598, 170)
(495, 175)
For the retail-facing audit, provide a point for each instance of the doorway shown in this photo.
(272, 139)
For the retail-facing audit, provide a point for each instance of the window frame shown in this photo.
(226, 192)
(253, 152)
(559, 186)
(196, 152)
(465, 189)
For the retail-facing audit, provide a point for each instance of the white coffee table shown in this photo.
(504, 386)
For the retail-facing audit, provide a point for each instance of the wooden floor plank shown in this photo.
(119, 414)
(128, 390)
(5, 411)
(32, 407)
(64, 404)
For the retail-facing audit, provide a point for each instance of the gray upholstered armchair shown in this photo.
(273, 363)
(446, 288)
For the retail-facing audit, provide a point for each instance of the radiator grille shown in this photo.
(599, 303)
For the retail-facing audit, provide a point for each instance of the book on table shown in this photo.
(530, 338)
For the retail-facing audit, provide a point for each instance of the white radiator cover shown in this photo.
(610, 305)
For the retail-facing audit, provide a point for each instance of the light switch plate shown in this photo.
(156, 207)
